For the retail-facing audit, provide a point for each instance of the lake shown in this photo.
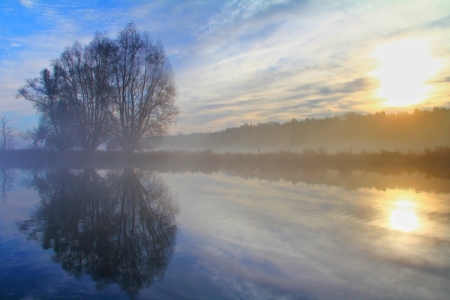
(135, 233)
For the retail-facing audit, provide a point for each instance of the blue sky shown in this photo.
(249, 61)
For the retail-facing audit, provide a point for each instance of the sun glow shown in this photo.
(405, 66)
(403, 217)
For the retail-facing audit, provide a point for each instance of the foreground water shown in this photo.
(118, 234)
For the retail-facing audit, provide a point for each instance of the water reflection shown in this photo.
(117, 226)
(353, 180)
(329, 236)
(6, 180)
(403, 216)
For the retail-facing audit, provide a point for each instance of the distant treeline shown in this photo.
(402, 131)
(432, 162)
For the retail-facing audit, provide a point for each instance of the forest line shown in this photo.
(403, 131)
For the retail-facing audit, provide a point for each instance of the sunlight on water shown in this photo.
(403, 217)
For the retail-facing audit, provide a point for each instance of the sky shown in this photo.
(250, 61)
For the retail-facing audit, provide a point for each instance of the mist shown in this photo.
(351, 132)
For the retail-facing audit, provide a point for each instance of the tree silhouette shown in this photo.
(143, 79)
(119, 228)
(85, 84)
(55, 129)
(6, 137)
(118, 92)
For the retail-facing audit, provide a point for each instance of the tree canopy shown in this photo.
(115, 92)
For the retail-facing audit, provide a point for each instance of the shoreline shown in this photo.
(435, 162)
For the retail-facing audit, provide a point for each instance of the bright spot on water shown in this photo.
(403, 217)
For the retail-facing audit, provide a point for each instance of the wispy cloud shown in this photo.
(250, 61)
(28, 54)
(258, 60)
(27, 3)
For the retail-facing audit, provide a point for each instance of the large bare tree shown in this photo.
(85, 85)
(115, 91)
(145, 90)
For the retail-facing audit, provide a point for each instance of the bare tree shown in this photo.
(7, 139)
(6, 142)
(145, 89)
(55, 130)
(119, 92)
(85, 84)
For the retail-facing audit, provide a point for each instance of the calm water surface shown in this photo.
(119, 234)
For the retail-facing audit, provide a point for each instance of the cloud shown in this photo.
(354, 86)
(27, 3)
(29, 54)
(279, 62)
(254, 61)
(234, 12)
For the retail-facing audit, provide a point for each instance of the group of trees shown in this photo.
(115, 92)
(403, 131)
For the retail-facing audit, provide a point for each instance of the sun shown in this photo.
(405, 66)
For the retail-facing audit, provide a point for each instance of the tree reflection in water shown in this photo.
(118, 228)
(6, 180)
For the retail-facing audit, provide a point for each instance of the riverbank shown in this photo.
(435, 162)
